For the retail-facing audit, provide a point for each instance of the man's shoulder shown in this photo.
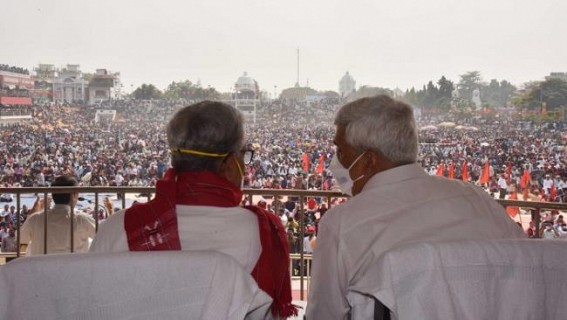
(113, 222)
(34, 216)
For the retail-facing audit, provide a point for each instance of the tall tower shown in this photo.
(297, 80)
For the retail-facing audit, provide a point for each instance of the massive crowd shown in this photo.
(292, 142)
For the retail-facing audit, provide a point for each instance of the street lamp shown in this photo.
(275, 96)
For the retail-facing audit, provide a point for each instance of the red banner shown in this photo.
(23, 81)
(16, 100)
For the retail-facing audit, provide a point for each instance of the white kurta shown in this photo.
(396, 207)
(233, 231)
(58, 231)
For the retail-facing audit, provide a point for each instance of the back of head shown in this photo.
(63, 181)
(208, 127)
(381, 124)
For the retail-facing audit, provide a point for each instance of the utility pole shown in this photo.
(297, 80)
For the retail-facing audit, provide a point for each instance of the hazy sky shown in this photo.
(390, 44)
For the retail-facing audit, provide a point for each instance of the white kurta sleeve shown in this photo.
(327, 294)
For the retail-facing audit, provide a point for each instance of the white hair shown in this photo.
(382, 124)
(208, 126)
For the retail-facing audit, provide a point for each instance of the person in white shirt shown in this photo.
(394, 202)
(58, 224)
(503, 186)
(547, 183)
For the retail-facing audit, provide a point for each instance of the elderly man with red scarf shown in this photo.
(196, 206)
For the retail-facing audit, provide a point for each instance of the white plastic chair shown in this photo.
(492, 279)
(133, 285)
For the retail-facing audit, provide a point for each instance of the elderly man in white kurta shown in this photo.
(394, 202)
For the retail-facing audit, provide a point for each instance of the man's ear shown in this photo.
(229, 169)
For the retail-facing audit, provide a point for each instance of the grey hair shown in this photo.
(382, 124)
(208, 126)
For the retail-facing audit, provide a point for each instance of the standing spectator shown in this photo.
(59, 221)
(9, 243)
(503, 186)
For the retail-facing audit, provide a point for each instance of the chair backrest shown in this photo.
(132, 285)
(492, 279)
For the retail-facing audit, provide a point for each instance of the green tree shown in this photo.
(497, 94)
(147, 92)
(445, 93)
(189, 91)
(552, 92)
(430, 95)
(410, 97)
(368, 91)
(468, 82)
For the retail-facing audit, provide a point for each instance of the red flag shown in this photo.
(441, 169)
(508, 172)
(465, 171)
(451, 171)
(525, 179)
(513, 211)
(552, 193)
(525, 194)
(321, 165)
(485, 176)
(305, 162)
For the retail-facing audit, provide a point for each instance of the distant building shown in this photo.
(245, 97)
(103, 86)
(557, 75)
(45, 74)
(347, 85)
(15, 84)
(69, 86)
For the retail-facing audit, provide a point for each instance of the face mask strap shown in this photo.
(239, 168)
(199, 153)
(356, 160)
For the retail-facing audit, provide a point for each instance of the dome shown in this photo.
(347, 77)
(245, 80)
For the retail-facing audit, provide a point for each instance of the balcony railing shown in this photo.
(252, 195)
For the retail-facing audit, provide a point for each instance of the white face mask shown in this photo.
(342, 175)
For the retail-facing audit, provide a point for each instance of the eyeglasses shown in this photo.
(247, 155)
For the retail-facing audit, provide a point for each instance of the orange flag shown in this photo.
(321, 165)
(513, 211)
(508, 172)
(451, 171)
(465, 171)
(441, 169)
(552, 193)
(525, 179)
(485, 176)
(305, 162)
(525, 194)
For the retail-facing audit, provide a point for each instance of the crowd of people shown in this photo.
(199, 158)
(292, 143)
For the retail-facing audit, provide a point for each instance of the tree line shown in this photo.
(443, 94)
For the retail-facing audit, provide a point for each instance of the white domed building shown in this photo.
(347, 85)
(245, 97)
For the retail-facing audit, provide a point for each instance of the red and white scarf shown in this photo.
(153, 226)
